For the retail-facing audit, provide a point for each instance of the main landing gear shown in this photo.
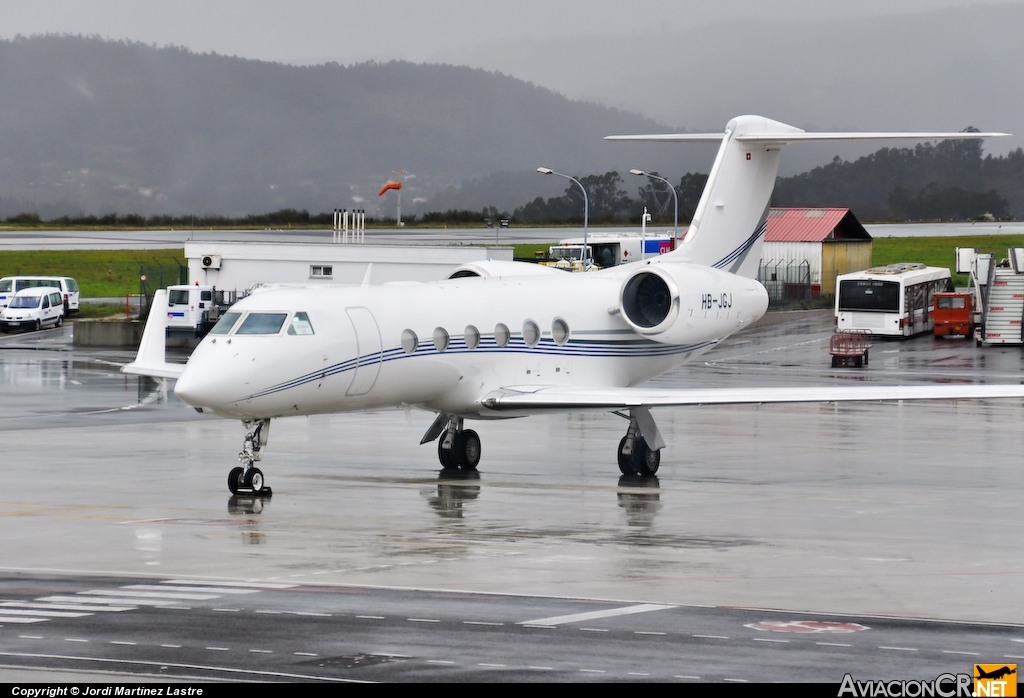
(458, 448)
(637, 458)
(248, 478)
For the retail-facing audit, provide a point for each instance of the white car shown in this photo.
(33, 308)
(10, 285)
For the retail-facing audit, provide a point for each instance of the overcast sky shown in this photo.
(313, 31)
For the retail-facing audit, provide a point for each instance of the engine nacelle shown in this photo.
(681, 303)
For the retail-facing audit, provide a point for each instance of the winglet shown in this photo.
(151, 359)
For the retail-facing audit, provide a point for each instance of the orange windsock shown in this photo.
(389, 185)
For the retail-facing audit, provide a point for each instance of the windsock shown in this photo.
(389, 185)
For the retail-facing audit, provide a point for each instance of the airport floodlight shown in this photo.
(675, 197)
(586, 208)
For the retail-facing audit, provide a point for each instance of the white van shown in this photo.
(10, 285)
(33, 308)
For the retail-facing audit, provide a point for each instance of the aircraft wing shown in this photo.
(535, 398)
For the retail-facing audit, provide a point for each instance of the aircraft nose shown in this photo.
(195, 387)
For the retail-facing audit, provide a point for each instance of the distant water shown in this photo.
(918, 230)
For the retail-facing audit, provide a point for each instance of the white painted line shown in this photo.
(74, 639)
(593, 615)
(122, 642)
(64, 606)
(542, 627)
(311, 613)
(685, 676)
(252, 585)
(371, 617)
(1014, 656)
(45, 614)
(173, 647)
(541, 668)
(219, 649)
(833, 644)
(108, 601)
(439, 661)
(31, 637)
(638, 673)
(480, 622)
(306, 654)
(647, 632)
(713, 637)
(966, 654)
(736, 680)
(227, 610)
(898, 649)
(267, 613)
(768, 639)
(261, 651)
(492, 666)
(5, 619)
(592, 671)
(594, 630)
(193, 589)
(169, 595)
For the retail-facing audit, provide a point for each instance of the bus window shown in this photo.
(881, 296)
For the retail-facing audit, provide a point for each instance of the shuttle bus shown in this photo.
(895, 300)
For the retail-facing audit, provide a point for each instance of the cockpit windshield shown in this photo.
(226, 322)
(262, 323)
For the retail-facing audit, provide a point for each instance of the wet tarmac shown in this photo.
(824, 511)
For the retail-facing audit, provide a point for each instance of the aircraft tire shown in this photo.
(235, 479)
(254, 479)
(645, 461)
(625, 462)
(448, 457)
(469, 449)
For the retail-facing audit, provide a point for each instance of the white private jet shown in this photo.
(506, 339)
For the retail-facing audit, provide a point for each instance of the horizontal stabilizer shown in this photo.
(151, 361)
(544, 398)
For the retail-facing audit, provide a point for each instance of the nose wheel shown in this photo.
(636, 457)
(248, 479)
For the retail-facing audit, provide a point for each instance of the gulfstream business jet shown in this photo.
(506, 339)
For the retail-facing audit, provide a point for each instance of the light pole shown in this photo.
(675, 197)
(586, 207)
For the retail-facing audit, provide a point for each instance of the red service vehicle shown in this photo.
(954, 314)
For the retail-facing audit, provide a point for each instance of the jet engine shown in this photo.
(681, 303)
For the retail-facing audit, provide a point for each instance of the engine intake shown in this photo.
(650, 301)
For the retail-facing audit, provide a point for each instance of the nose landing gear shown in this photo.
(248, 478)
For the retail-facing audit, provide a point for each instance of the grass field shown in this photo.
(114, 273)
(99, 273)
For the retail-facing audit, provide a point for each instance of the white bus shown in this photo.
(894, 301)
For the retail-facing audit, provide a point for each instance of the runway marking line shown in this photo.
(713, 637)
(219, 649)
(594, 630)
(480, 622)
(371, 617)
(423, 620)
(968, 654)
(647, 632)
(594, 615)
(123, 642)
(898, 649)
(833, 644)
(439, 661)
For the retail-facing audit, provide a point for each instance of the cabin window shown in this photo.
(300, 324)
(472, 336)
(501, 335)
(560, 331)
(409, 341)
(206, 295)
(440, 338)
(320, 271)
(226, 322)
(262, 323)
(531, 333)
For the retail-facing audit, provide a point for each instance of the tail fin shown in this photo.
(151, 359)
(732, 215)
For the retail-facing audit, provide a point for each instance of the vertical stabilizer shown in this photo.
(731, 217)
(151, 359)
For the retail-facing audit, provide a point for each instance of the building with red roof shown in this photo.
(806, 248)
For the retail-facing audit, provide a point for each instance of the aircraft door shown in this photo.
(368, 350)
